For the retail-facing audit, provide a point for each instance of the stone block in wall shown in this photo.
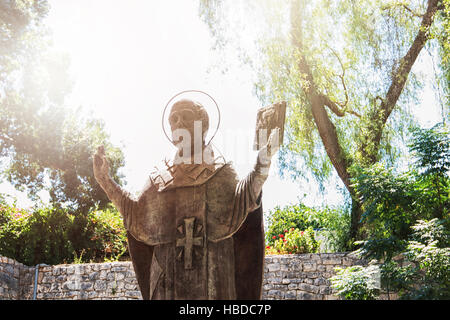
(274, 280)
(320, 281)
(9, 281)
(94, 275)
(309, 267)
(273, 267)
(292, 286)
(276, 294)
(301, 295)
(105, 266)
(330, 268)
(290, 295)
(325, 289)
(308, 288)
(321, 268)
(103, 273)
(333, 260)
(100, 285)
(130, 287)
(134, 294)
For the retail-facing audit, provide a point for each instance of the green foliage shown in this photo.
(332, 223)
(291, 216)
(334, 228)
(35, 237)
(395, 278)
(294, 241)
(388, 203)
(425, 276)
(20, 27)
(60, 160)
(53, 235)
(356, 283)
(431, 148)
(429, 251)
(44, 144)
(109, 238)
(408, 214)
(442, 33)
(392, 202)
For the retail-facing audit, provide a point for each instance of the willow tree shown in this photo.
(345, 68)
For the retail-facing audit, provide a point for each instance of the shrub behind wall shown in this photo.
(54, 235)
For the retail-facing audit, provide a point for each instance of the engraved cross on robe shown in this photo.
(189, 241)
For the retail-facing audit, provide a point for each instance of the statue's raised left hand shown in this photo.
(273, 145)
(268, 151)
(101, 164)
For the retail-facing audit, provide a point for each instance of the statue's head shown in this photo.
(190, 116)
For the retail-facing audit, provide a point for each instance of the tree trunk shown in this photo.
(325, 126)
(355, 223)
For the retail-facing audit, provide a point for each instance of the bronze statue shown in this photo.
(195, 231)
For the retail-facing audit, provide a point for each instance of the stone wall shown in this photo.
(301, 277)
(16, 280)
(92, 281)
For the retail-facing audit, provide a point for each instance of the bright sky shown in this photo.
(129, 58)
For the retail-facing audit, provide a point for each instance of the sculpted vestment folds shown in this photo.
(187, 219)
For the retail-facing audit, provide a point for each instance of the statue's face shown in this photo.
(182, 118)
(187, 120)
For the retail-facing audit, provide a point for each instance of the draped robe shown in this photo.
(186, 234)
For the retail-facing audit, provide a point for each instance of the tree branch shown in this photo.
(415, 14)
(342, 77)
(404, 6)
(400, 76)
(398, 81)
(333, 106)
(326, 128)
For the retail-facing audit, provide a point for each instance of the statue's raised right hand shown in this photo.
(101, 164)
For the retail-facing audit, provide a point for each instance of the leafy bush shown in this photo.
(109, 239)
(294, 241)
(53, 235)
(356, 282)
(426, 276)
(429, 252)
(392, 203)
(36, 237)
(333, 223)
(407, 214)
(291, 216)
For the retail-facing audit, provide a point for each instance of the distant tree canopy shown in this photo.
(346, 70)
(44, 144)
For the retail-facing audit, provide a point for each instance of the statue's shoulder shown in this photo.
(227, 172)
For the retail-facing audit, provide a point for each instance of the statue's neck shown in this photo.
(205, 155)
